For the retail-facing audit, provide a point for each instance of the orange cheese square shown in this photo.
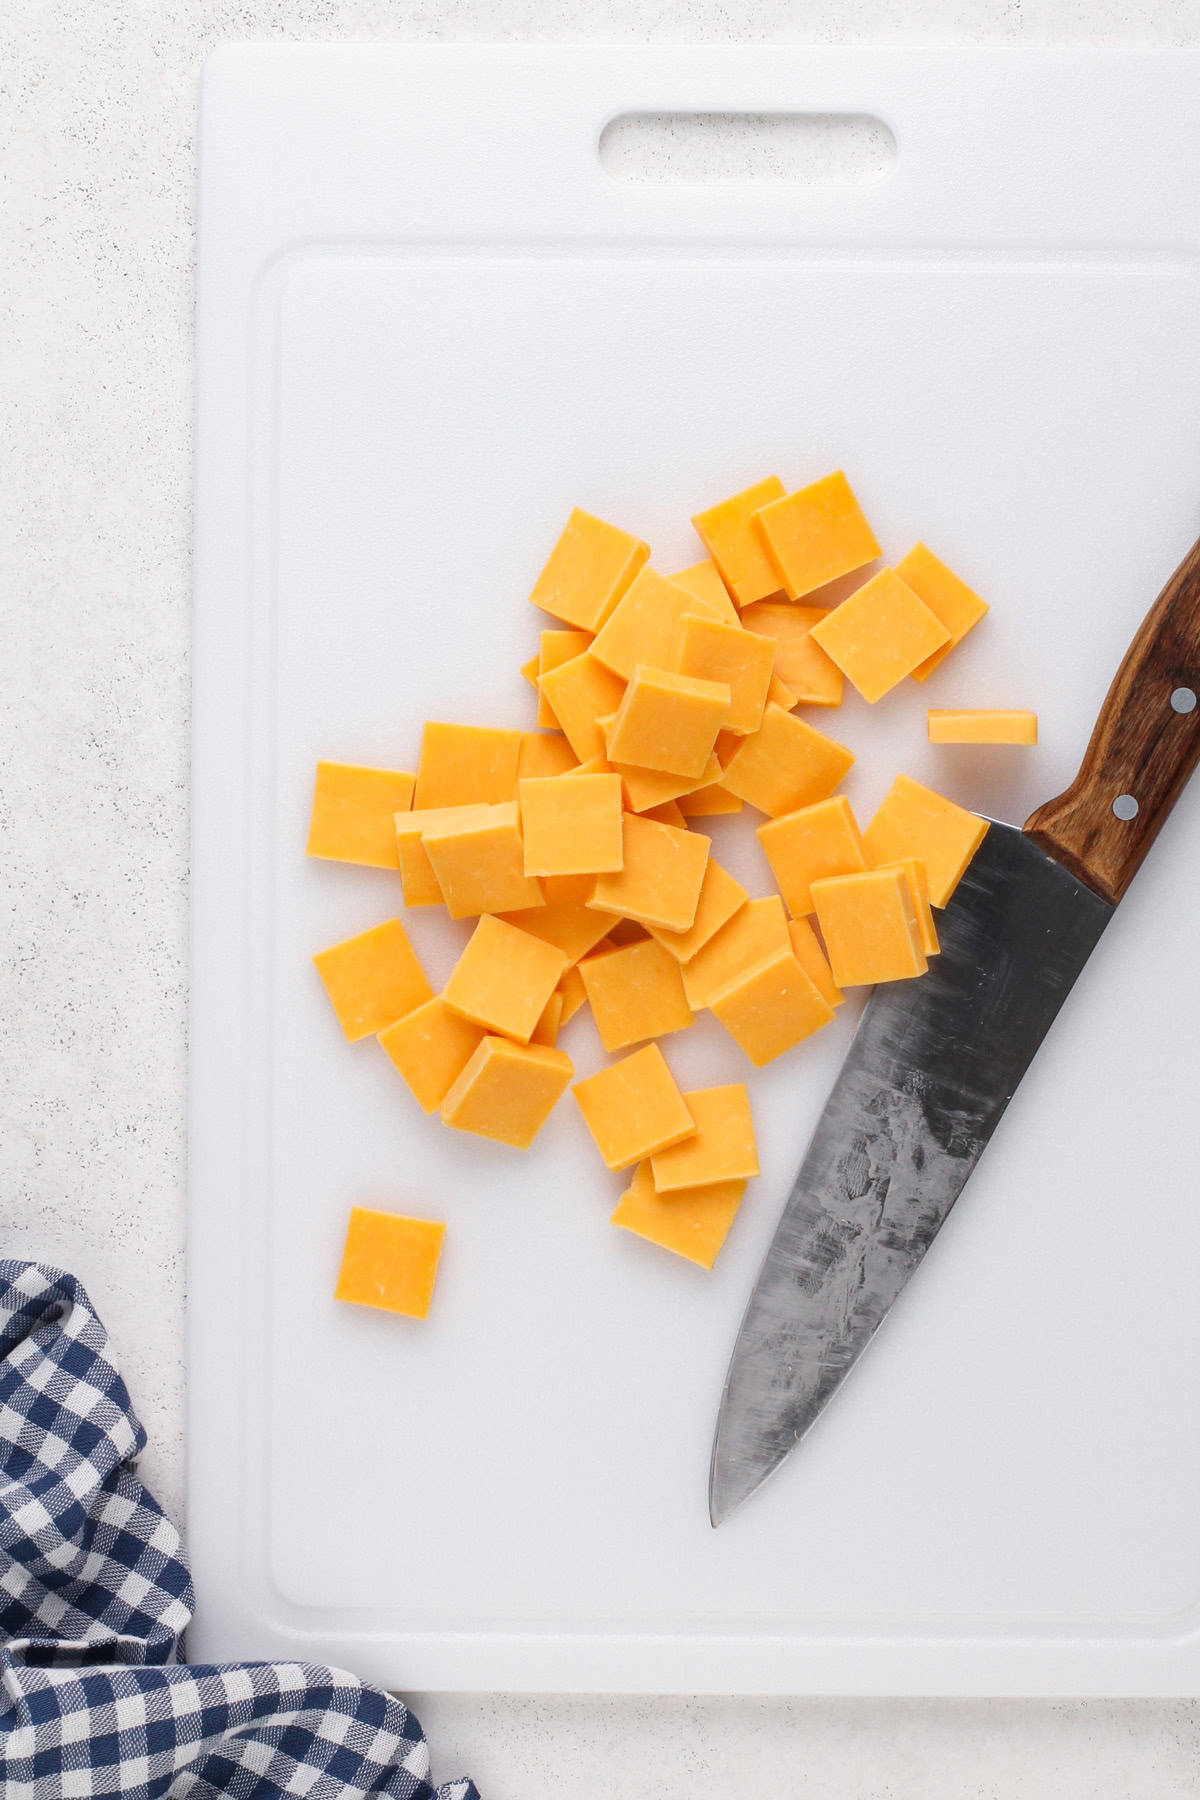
(644, 625)
(815, 535)
(372, 979)
(914, 821)
(880, 634)
(668, 722)
(755, 931)
(870, 927)
(693, 1223)
(574, 994)
(957, 606)
(785, 764)
(430, 1047)
(815, 840)
(479, 863)
(571, 824)
(465, 764)
(544, 753)
(801, 666)
(390, 1262)
(507, 1091)
(566, 920)
(581, 692)
(703, 579)
(739, 554)
(547, 1028)
(741, 660)
(720, 897)
(809, 954)
(635, 992)
(661, 879)
(353, 811)
(708, 801)
(918, 887)
(555, 647)
(588, 570)
(981, 725)
(417, 879)
(723, 1148)
(504, 978)
(634, 1108)
(771, 1007)
(647, 788)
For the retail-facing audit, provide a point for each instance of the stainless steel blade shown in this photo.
(931, 1069)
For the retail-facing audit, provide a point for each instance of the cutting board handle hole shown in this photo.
(735, 149)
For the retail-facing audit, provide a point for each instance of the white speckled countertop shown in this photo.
(97, 141)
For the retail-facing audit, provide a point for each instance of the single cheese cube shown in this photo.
(390, 1262)
(372, 979)
(668, 722)
(880, 634)
(571, 824)
(801, 666)
(786, 763)
(647, 788)
(644, 625)
(504, 978)
(544, 753)
(815, 535)
(703, 579)
(573, 993)
(918, 887)
(661, 879)
(957, 606)
(771, 1007)
(914, 821)
(353, 811)
(417, 879)
(742, 660)
(667, 814)
(720, 897)
(870, 927)
(580, 693)
(635, 992)
(634, 1108)
(566, 920)
(693, 1223)
(706, 802)
(480, 864)
(980, 725)
(816, 840)
(740, 555)
(507, 1091)
(465, 764)
(755, 931)
(589, 569)
(431, 1046)
(723, 1149)
(809, 954)
(547, 1028)
(555, 647)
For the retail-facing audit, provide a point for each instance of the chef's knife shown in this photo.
(935, 1061)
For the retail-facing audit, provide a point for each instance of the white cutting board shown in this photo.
(429, 324)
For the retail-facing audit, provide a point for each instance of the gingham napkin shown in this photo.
(94, 1597)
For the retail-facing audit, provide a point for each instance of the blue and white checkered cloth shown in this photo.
(95, 1595)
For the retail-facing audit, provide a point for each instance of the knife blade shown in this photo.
(935, 1061)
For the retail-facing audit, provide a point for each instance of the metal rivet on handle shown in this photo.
(1125, 806)
(1183, 700)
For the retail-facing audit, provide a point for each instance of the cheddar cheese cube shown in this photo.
(668, 722)
(785, 764)
(647, 788)
(870, 927)
(981, 725)
(957, 606)
(635, 992)
(756, 930)
(801, 666)
(465, 764)
(417, 879)
(573, 993)
(720, 897)
(544, 753)
(581, 692)
(723, 1148)
(880, 634)
(555, 647)
(353, 814)
(661, 879)
(372, 979)
(693, 1222)
(634, 1108)
(566, 920)
(504, 978)
(703, 579)
(742, 660)
(914, 821)
(918, 887)
(814, 535)
(480, 863)
(771, 1007)
(547, 1028)
(667, 813)
(739, 554)
(507, 1091)
(430, 1047)
(644, 625)
(815, 840)
(390, 1262)
(708, 801)
(588, 570)
(809, 954)
(571, 824)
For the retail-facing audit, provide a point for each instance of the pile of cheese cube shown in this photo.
(660, 699)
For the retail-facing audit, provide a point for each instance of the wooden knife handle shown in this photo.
(1145, 745)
